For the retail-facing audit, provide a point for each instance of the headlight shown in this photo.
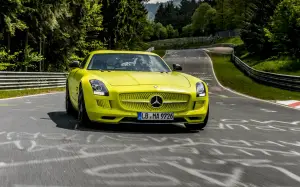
(99, 88)
(200, 89)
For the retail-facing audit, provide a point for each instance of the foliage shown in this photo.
(253, 33)
(203, 19)
(172, 33)
(231, 40)
(179, 16)
(6, 59)
(188, 31)
(54, 32)
(181, 43)
(284, 29)
(124, 23)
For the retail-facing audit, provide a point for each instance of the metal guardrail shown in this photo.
(287, 82)
(31, 80)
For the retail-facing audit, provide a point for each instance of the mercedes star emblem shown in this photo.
(156, 101)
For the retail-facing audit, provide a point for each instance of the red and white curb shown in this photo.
(290, 103)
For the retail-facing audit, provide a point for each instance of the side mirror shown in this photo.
(74, 64)
(177, 67)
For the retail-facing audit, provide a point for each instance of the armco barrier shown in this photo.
(287, 82)
(31, 80)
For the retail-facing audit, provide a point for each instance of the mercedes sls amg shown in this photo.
(115, 87)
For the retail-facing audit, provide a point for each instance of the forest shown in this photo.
(269, 29)
(47, 35)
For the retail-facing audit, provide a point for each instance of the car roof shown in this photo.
(122, 51)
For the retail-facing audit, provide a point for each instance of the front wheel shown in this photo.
(69, 107)
(198, 126)
(83, 118)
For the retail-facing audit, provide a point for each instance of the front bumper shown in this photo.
(111, 110)
(105, 114)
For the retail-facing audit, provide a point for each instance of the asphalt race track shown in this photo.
(247, 143)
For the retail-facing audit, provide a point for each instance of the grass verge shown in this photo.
(161, 52)
(280, 65)
(230, 76)
(275, 64)
(18, 93)
(190, 42)
(231, 40)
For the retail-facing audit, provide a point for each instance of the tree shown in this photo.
(199, 20)
(172, 33)
(253, 33)
(185, 12)
(284, 28)
(160, 14)
(210, 17)
(123, 23)
(166, 14)
(187, 31)
(160, 32)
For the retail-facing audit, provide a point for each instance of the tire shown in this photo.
(68, 104)
(199, 126)
(82, 116)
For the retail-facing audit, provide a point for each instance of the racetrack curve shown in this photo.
(247, 143)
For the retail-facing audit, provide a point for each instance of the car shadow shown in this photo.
(65, 121)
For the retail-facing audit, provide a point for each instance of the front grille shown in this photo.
(140, 102)
(103, 103)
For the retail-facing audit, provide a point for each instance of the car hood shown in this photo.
(142, 78)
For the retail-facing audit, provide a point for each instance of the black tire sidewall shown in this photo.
(85, 119)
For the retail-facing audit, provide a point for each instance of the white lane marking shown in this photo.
(171, 181)
(246, 152)
(32, 118)
(163, 159)
(266, 110)
(234, 178)
(36, 95)
(136, 149)
(24, 185)
(237, 93)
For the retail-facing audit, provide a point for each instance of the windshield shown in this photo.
(128, 62)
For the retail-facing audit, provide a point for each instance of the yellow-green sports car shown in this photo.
(115, 87)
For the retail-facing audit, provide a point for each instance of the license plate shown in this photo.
(155, 116)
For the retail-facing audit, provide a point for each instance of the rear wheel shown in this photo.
(198, 126)
(69, 107)
(83, 118)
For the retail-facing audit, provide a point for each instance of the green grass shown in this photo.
(276, 64)
(179, 43)
(18, 93)
(161, 52)
(231, 40)
(191, 42)
(281, 65)
(230, 76)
